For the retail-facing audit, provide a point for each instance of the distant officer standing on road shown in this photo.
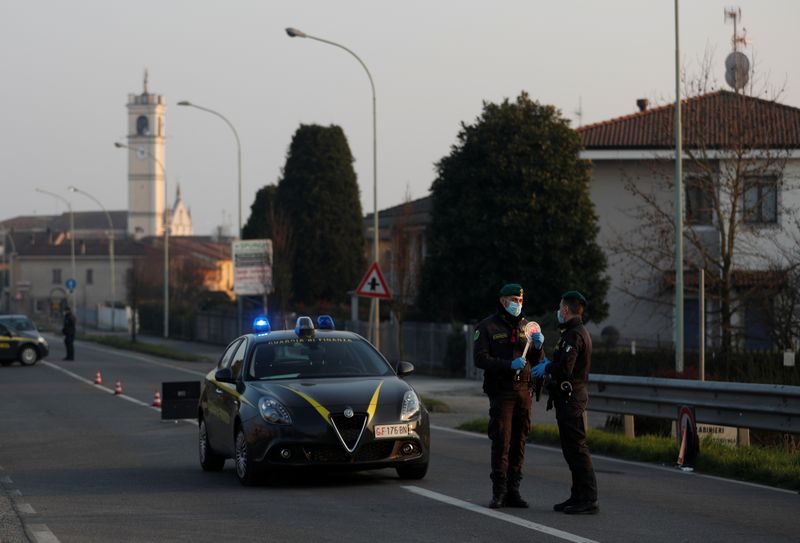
(499, 343)
(69, 333)
(569, 373)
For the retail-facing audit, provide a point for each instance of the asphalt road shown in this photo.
(78, 464)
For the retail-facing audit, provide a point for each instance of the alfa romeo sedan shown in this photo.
(20, 340)
(312, 396)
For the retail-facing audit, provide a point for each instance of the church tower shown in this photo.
(146, 175)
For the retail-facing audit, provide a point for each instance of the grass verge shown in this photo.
(764, 465)
(145, 348)
(434, 405)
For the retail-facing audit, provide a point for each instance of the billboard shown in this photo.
(252, 266)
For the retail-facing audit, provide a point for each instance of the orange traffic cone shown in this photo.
(98, 380)
(118, 388)
(157, 399)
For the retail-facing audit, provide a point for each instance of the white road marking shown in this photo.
(26, 509)
(40, 533)
(108, 390)
(629, 462)
(498, 515)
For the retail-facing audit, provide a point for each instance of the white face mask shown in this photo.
(559, 317)
(514, 308)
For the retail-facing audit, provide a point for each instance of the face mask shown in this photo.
(514, 308)
(559, 317)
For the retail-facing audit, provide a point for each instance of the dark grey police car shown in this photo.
(312, 396)
(20, 340)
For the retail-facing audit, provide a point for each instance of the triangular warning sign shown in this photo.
(373, 285)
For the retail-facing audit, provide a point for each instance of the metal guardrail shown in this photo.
(743, 405)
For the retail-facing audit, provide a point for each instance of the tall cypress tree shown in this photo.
(319, 196)
(511, 203)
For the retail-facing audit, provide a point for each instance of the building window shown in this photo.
(761, 199)
(699, 202)
(757, 326)
(57, 276)
(89, 276)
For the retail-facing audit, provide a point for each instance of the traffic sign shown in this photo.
(373, 285)
(70, 284)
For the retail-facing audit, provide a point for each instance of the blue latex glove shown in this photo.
(518, 363)
(538, 340)
(539, 369)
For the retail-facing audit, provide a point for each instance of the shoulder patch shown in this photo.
(477, 335)
(501, 335)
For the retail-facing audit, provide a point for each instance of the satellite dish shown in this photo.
(737, 70)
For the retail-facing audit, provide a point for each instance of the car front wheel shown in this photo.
(28, 356)
(246, 469)
(209, 460)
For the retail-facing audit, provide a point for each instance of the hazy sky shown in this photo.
(67, 67)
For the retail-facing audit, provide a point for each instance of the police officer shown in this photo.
(568, 375)
(69, 333)
(499, 343)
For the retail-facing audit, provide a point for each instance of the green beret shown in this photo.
(511, 289)
(575, 295)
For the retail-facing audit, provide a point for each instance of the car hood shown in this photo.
(356, 393)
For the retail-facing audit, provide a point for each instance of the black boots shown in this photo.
(513, 498)
(566, 503)
(498, 490)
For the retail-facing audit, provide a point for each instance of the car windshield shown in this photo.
(18, 324)
(315, 357)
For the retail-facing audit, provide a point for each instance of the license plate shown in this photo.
(391, 430)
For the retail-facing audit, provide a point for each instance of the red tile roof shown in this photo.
(718, 120)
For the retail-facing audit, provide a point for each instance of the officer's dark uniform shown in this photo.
(69, 335)
(571, 363)
(499, 339)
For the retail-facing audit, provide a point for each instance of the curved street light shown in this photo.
(119, 145)
(71, 236)
(72, 188)
(239, 176)
(374, 312)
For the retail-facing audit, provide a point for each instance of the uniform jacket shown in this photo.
(571, 362)
(499, 339)
(69, 325)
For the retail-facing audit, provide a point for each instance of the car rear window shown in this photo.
(315, 358)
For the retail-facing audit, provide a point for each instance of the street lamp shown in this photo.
(239, 175)
(678, 206)
(71, 236)
(119, 145)
(72, 188)
(374, 312)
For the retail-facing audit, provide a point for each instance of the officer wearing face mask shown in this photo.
(499, 344)
(568, 374)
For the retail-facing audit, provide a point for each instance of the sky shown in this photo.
(67, 68)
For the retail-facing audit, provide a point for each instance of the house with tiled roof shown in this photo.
(741, 199)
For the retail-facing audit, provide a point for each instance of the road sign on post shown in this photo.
(70, 284)
(252, 266)
(373, 285)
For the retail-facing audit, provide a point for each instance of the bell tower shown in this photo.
(146, 175)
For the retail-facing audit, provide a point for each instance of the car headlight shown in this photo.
(274, 411)
(42, 341)
(410, 406)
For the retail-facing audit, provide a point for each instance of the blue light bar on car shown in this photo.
(304, 326)
(261, 325)
(325, 322)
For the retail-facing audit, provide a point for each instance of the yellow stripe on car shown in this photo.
(373, 403)
(229, 389)
(320, 409)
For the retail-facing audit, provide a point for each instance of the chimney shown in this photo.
(642, 104)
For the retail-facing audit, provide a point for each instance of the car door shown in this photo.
(215, 414)
(8, 345)
(228, 396)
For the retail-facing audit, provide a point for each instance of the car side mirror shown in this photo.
(225, 375)
(404, 368)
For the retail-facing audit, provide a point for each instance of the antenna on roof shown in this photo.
(579, 112)
(737, 65)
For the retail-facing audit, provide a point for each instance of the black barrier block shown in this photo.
(179, 400)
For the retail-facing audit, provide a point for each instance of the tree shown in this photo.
(511, 203)
(320, 198)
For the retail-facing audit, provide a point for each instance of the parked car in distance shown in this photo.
(20, 340)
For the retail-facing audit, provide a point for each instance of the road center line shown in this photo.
(498, 515)
(40, 533)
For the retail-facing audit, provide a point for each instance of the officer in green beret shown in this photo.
(500, 341)
(568, 374)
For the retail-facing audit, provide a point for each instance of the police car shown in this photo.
(312, 396)
(20, 340)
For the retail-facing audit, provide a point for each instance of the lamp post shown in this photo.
(678, 206)
(72, 188)
(71, 236)
(374, 312)
(239, 177)
(119, 145)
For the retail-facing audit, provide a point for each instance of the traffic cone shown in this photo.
(98, 380)
(118, 388)
(157, 399)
